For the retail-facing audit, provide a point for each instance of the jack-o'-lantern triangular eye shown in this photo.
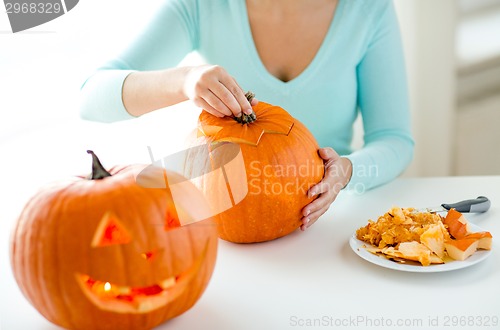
(172, 219)
(110, 231)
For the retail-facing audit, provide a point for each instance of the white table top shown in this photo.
(306, 278)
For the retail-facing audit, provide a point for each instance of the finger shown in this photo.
(232, 95)
(323, 200)
(318, 208)
(329, 155)
(240, 96)
(226, 97)
(328, 152)
(305, 221)
(201, 103)
(329, 183)
(215, 102)
(319, 188)
(310, 220)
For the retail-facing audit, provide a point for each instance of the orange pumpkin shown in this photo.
(109, 252)
(281, 163)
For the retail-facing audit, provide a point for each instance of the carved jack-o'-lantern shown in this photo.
(110, 253)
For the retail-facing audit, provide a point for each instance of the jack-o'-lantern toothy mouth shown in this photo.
(137, 300)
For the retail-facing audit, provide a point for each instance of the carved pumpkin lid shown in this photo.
(270, 120)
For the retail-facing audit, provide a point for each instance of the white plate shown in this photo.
(359, 248)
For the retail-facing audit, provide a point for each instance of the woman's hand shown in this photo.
(210, 87)
(338, 171)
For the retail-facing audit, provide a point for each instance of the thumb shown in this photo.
(328, 154)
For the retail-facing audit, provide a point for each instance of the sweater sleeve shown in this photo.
(384, 106)
(169, 37)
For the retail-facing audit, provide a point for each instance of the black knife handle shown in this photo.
(478, 205)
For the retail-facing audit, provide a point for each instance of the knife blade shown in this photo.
(478, 205)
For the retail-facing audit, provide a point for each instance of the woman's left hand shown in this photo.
(338, 171)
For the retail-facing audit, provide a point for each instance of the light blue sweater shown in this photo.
(359, 68)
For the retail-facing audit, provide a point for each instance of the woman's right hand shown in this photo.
(210, 87)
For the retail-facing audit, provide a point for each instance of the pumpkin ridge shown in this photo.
(84, 196)
(37, 231)
(56, 250)
(139, 240)
(25, 244)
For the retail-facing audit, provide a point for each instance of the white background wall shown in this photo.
(428, 29)
(453, 55)
(41, 71)
(58, 55)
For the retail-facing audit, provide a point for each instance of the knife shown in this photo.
(478, 205)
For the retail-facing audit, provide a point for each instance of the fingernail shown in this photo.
(248, 111)
(308, 212)
(307, 221)
(311, 194)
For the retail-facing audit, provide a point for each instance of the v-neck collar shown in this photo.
(310, 68)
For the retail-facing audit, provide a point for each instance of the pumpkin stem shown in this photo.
(250, 96)
(246, 119)
(98, 171)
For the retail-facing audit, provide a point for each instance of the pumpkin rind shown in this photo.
(281, 162)
(52, 244)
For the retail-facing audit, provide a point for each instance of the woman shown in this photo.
(322, 60)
